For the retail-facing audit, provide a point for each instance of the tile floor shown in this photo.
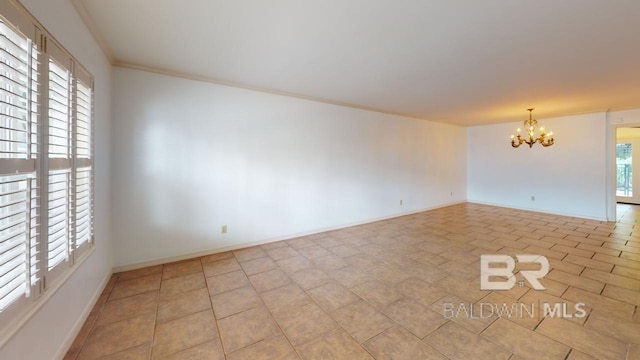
(378, 291)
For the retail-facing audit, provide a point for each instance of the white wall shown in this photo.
(190, 157)
(54, 323)
(568, 178)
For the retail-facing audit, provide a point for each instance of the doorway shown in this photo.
(627, 165)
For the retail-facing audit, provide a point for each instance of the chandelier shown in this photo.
(545, 139)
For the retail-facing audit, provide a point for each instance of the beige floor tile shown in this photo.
(258, 265)
(378, 293)
(329, 262)
(276, 347)
(590, 263)
(344, 250)
(600, 249)
(282, 253)
(216, 257)
(246, 328)
(553, 287)
(601, 303)
(220, 267)
(235, 301)
(135, 286)
(252, 253)
(577, 355)
(630, 256)
(388, 274)
(450, 308)
(361, 320)
(456, 342)
(300, 243)
(378, 277)
(183, 304)
(293, 264)
(305, 323)
(398, 344)
(273, 245)
(329, 241)
(524, 312)
(595, 344)
(634, 352)
(79, 341)
(181, 268)
(225, 282)
(428, 253)
(314, 251)
(621, 329)
(211, 350)
(632, 264)
(427, 272)
(550, 254)
(112, 283)
(285, 298)
(334, 345)
(118, 336)
(622, 294)
(331, 296)
(418, 319)
(362, 261)
(127, 307)
(608, 278)
(132, 274)
(182, 284)
(566, 267)
(628, 272)
(183, 333)
(420, 291)
(463, 289)
(577, 281)
(142, 352)
(310, 278)
(269, 280)
(525, 343)
(350, 276)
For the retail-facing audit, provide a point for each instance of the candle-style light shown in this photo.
(545, 139)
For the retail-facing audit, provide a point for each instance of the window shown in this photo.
(46, 161)
(624, 179)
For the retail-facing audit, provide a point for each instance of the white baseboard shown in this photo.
(205, 252)
(66, 345)
(542, 211)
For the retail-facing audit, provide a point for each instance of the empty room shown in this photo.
(413, 179)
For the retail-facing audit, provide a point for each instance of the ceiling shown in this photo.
(458, 61)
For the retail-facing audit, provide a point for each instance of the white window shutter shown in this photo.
(19, 152)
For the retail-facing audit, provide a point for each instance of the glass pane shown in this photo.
(623, 174)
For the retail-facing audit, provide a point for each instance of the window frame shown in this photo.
(47, 281)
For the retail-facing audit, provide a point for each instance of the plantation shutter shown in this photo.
(46, 163)
(83, 163)
(19, 155)
(59, 220)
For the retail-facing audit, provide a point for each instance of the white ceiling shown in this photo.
(460, 61)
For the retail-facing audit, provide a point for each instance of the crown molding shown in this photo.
(217, 81)
(93, 29)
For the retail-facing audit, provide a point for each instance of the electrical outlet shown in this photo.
(533, 198)
(400, 202)
(224, 229)
(452, 193)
